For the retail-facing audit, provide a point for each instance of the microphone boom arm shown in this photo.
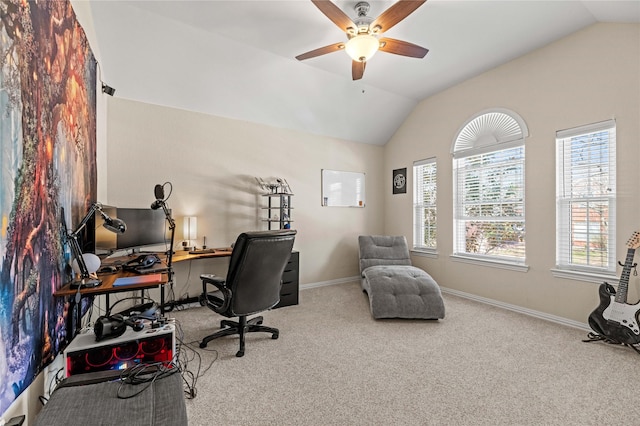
(158, 192)
(172, 227)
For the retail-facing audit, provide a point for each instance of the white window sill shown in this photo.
(432, 254)
(502, 264)
(592, 277)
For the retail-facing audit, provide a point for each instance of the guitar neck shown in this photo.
(623, 286)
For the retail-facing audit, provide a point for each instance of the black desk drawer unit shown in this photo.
(290, 282)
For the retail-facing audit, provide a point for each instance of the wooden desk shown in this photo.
(182, 256)
(107, 285)
(106, 288)
(109, 278)
(75, 295)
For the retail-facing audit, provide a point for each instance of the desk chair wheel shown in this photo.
(203, 345)
(274, 336)
(255, 320)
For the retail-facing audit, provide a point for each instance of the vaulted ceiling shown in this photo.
(236, 59)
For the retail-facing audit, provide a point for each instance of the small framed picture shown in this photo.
(400, 181)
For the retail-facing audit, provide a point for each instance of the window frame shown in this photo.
(565, 243)
(419, 204)
(490, 131)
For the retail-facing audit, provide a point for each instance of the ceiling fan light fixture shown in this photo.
(362, 47)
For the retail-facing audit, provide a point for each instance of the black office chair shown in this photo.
(252, 284)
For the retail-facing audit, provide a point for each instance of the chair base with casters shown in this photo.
(241, 327)
(252, 285)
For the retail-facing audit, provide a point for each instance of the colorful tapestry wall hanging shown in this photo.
(47, 162)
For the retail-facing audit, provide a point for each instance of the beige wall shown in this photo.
(590, 76)
(212, 163)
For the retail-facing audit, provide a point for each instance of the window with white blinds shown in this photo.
(424, 205)
(489, 210)
(489, 192)
(586, 198)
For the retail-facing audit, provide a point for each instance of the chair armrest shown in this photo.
(220, 284)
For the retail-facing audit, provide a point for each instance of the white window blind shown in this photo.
(586, 197)
(489, 205)
(424, 205)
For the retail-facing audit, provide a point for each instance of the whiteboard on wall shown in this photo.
(342, 189)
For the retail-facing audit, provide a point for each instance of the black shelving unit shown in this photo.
(280, 204)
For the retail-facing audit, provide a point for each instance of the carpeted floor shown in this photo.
(335, 365)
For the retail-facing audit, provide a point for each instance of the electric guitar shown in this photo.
(614, 318)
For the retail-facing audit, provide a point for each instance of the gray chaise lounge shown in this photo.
(396, 289)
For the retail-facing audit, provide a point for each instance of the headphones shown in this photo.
(141, 262)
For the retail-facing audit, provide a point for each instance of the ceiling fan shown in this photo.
(364, 33)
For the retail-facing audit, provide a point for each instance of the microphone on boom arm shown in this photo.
(158, 191)
(157, 204)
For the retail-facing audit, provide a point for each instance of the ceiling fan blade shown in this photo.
(335, 14)
(321, 51)
(357, 69)
(396, 13)
(404, 48)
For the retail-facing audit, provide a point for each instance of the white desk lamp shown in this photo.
(190, 230)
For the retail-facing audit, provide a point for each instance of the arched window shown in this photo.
(488, 163)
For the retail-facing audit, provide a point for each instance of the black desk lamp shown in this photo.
(112, 224)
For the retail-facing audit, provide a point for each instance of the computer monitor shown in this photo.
(145, 227)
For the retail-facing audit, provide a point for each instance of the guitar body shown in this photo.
(614, 320)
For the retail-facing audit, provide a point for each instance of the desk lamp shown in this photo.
(111, 224)
(190, 231)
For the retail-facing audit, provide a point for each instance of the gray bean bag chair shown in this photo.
(396, 289)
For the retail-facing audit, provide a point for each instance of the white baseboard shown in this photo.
(519, 309)
(330, 282)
